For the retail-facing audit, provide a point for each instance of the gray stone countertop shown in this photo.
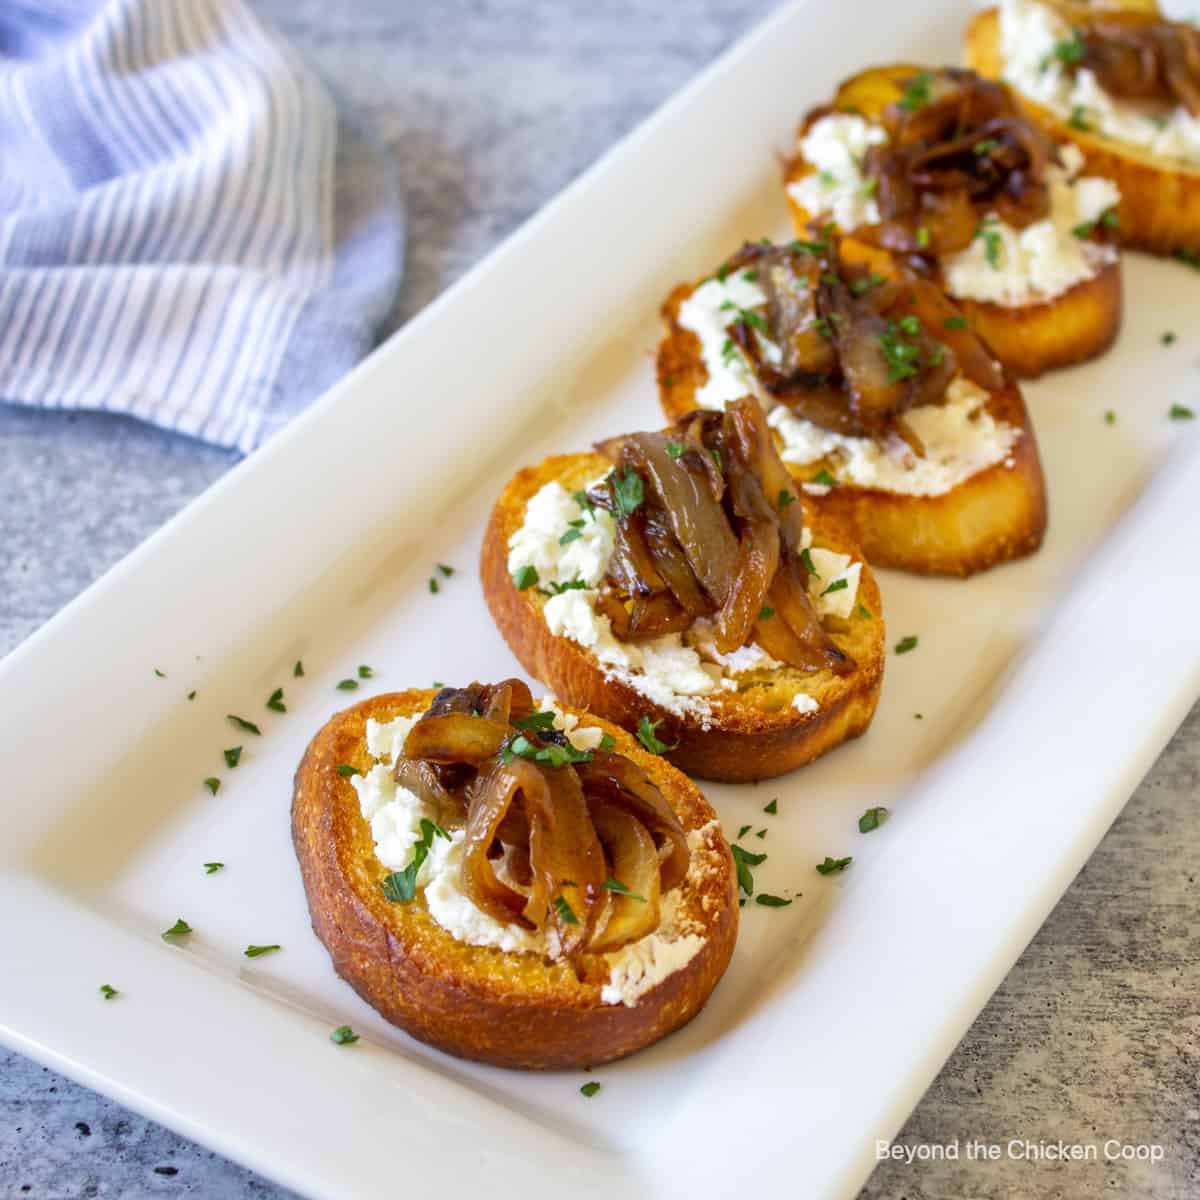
(493, 108)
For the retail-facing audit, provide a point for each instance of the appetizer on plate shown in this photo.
(681, 585)
(887, 408)
(1123, 84)
(941, 168)
(515, 882)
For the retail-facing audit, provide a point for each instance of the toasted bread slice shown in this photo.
(753, 733)
(1029, 339)
(995, 515)
(1160, 199)
(479, 1002)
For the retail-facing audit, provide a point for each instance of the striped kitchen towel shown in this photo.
(190, 231)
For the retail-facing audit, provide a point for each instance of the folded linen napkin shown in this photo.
(190, 232)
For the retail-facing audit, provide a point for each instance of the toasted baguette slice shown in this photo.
(479, 1002)
(1160, 199)
(995, 515)
(755, 732)
(1029, 339)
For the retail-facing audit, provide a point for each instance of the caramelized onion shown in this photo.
(455, 737)
(633, 859)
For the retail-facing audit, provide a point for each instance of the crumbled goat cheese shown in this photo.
(1029, 33)
(960, 437)
(548, 515)
(837, 188)
(394, 814)
(1027, 266)
(683, 673)
(387, 740)
(804, 704)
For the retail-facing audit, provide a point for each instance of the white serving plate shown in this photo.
(1047, 688)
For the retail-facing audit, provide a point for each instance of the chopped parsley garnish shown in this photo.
(160, 674)
(645, 733)
(828, 178)
(905, 644)
(298, 669)
(180, 929)
(823, 327)
(769, 901)
(345, 770)
(213, 784)
(993, 244)
(433, 586)
(916, 93)
(401, 886)
(590, 1089)
(985, 146)
(1108, 218)
(872, 819)
(1190, 257)
(445, 569)
(1168, 338)
(923, 236)
(552, 755)
(365, 672)
(837, 585)
(191, 695)
(233, 756)
(557, 589)
(833, 866)
(868, 189)
(108, 991)
(903, 357)
(565, 913)
(676, 449)
(570, 536)
(773, 807)
(347, 685)
(918, 716)
(859, 287)
(729, 352)
(1110, 417)
(958, 322)
(722, 272)
(1078, 118)
(275, 702)
(584, 500)
(525, 578)
(745, 829)
(615, 885)
(538, 720)
(802, 247)
(213, 867)
(864, 611)
(1069, 52)
(807, 559)
(823, 479)
(607, 742)
(786, 498)
(343, 1035)
(762, 833)
(766, 613)
(1180, 412)
(628, 492)
(743, 860)
(241, 723)
(258, 951)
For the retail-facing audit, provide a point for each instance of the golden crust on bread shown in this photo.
(754, 733)
(1028, 339)
(512, 1010)
(1160, 200)
(996, 515)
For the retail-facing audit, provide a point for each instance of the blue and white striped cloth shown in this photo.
(189, 231)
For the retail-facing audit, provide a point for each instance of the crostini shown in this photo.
(682, 586)
(891, 414)
(1123, 85)
(511, 881)
(941, 168)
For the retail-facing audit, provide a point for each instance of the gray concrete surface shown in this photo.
(493, 107)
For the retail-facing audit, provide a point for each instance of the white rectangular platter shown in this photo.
(1045, 690)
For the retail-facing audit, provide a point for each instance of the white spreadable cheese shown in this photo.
(1029, 33)
(394, 814)
(682, 673)
(837, 189)
(1027, 266)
